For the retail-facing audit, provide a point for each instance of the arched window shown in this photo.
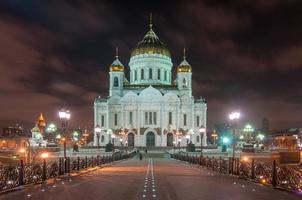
(184, 82)
(115, 82)
(150, 73)
(102, 138)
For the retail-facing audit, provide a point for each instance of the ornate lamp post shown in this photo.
(85, 134)
(64, 116)
(187, 138)
(98, 131)
(215, 136)
(234, 117)
(113, 137)
(202, 131)
(121, 143)
(174, 143)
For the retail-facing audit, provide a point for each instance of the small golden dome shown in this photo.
(184, 67)
(117, 66)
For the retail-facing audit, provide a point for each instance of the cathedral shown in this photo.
(150, 108)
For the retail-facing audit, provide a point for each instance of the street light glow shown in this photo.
(225, 140)
(44, 155)
(22, 150)
(248, 128)
(202, 129)
(98, 129)
(260, 136)
(234, 115)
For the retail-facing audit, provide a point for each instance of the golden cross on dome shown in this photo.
(150, 21)
(184, 53)
(116, 52)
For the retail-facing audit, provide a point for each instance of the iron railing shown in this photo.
(22, 174)
(281, 176)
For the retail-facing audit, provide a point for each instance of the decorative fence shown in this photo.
(14, 176)
(282, 176)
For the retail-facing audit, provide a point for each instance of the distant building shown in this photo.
(12, 137)
(286, 137)
(12, 131)
(265, 126)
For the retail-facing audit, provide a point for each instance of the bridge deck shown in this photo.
(155, 177)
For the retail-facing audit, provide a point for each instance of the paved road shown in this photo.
(153, 178)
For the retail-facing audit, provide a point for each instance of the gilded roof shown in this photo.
(117, 66)
(184, 67)
(150, 45)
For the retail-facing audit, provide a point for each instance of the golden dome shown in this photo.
(117, 66)
(184, 67)
(150, 45)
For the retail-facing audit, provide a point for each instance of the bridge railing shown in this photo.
(22, 174)
(267, 173)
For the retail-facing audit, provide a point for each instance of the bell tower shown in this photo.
(116, 76)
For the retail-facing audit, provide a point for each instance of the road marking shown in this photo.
(149, 189)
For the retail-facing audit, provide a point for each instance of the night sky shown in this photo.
(245, 55)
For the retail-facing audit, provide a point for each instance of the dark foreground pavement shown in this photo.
(153, 178)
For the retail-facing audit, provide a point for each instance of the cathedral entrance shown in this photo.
(130, 139)
(169, 140)
(150, 142)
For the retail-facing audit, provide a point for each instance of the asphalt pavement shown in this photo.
(155, 177)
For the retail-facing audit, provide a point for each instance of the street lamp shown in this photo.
(121, 143)
(85, 134)
(64, 116)
(248, 129)
(174, 143)
(113, 137)
(202, 131)
(214, 135)
(187, 137)
(234, 117)
(98, 131)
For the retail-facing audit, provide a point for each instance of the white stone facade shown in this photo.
(151, 109)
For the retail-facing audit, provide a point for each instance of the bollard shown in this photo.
(21, 173)
(253, 169)
(220, 164)
(68, 164)
(44, 170)
(78, 164)
(86, 164)
(213, 166)
(91, 161)
(229, 166)
(238, 166)
(60, 166)
(65, 165)
(274, 174)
